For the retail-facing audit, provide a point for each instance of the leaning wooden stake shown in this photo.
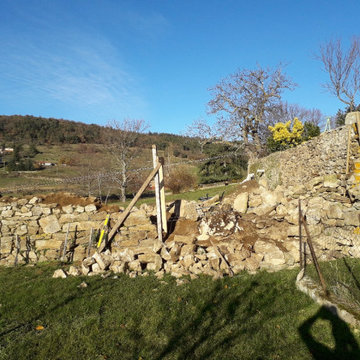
(313, 255)
(125, 214)
(157, 195)
(300, 238)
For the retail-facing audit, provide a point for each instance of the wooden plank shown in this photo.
(348, 151)
(157, 195)
(125, 214)
(162, 196)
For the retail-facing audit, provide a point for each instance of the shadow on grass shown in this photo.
(346, 346)
(29, 324)
(214, 326)
(356, 281)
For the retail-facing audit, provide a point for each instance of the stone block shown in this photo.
(184, 239)
(253, 262)
(50, 224)
(37, 211)
(73, 271)
(59, 273)
(47, 244)
(272, 255)
(90, 208)
(241, 202)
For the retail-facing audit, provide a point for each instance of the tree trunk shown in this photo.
(123, 182)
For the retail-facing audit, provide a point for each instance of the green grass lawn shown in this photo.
(187, 195)
(259, 316)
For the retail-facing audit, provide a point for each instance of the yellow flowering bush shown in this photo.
(284, 135)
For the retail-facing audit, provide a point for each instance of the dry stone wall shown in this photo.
(323, 155)
(255, 228)
(42, 229)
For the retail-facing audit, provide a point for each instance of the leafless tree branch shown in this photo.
(343, 68)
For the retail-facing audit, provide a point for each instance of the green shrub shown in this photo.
(181, 178)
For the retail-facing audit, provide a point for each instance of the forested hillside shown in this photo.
(41, 131)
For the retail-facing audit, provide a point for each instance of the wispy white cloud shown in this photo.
(71, 65)
(89, 73)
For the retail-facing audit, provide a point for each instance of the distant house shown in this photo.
(46, 163)
(6, 151)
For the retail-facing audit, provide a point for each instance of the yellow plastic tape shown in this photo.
(103, 230)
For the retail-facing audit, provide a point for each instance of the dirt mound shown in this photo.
(63, 199)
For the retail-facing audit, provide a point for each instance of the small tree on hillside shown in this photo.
(202, 131)
(122, 136)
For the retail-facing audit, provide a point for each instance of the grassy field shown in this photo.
(72, 161)
(259, 316)
(187, 195)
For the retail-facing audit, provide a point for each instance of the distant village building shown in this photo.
(6, 150)
(46, 163)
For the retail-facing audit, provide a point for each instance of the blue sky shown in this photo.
(98, 60)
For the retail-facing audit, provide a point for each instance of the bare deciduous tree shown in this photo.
(243, 100)
(122, 138)
(203, 131)
(343, 68)
(285, 112)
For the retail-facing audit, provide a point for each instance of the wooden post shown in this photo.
(157, 195)
(90, 242)
(313, 255)
(65, 243)
(300, 238)
(162, 196)
(348, 151)
(125, 214)
(17, 250)
(28, 249)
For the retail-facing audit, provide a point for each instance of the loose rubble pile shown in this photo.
(254, 229)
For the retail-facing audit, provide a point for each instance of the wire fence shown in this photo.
(109, 177)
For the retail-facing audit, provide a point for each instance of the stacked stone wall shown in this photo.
(255, 228)
(323, 155)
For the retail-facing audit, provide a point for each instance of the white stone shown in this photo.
(59, 273)
(241, 202)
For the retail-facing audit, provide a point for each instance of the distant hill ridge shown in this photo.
(40, 130)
